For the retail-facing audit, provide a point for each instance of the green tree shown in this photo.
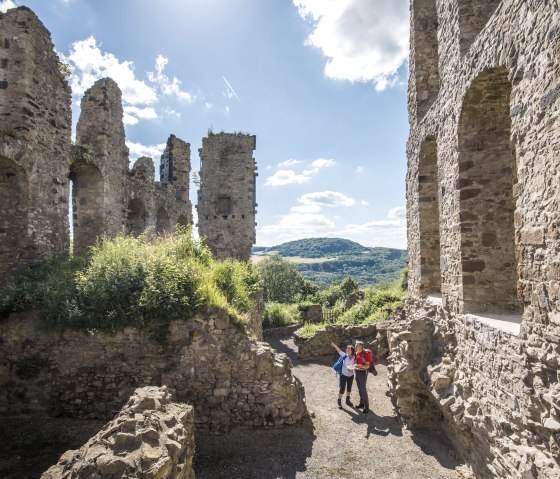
(282, 282)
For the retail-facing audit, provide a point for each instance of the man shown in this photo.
(363, 363)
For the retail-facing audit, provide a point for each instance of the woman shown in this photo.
(347, 375)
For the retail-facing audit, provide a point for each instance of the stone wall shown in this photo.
(150, 437)
(482, 210)
(230, 379)
(226, 198)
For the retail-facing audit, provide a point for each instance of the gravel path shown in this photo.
(338, 444)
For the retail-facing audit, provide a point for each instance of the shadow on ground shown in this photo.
(253, 454)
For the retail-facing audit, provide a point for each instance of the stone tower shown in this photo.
(35, 145)
(481, 327)
(226, 198)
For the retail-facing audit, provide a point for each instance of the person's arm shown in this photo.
(337, 348)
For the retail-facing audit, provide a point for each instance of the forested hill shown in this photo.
(326, 260)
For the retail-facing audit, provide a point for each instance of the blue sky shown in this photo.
(321, 83)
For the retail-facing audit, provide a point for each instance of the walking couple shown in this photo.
(356, 361)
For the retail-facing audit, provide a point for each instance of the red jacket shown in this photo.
(364, 357)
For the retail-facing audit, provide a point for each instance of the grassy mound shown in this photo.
(136, 282)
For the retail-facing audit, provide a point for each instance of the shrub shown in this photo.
(276, 315)
(309, 329)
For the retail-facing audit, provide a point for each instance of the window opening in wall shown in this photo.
(426, 58)
(182, 221)
(136, 218)
(163, 223)
(86, 206)
(13, 216)
(487, 173)
(223, 205)
(473, 16)
(429, 219)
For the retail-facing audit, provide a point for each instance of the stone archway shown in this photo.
(14, 204)
(473, 16)
(136, 219)
(86, 206)
(487, 173)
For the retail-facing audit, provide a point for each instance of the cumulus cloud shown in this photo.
(288, 163)
(133, 113)
(363, 40)
(397, 213)
(6, 5)
(286, 177)
(305, 209)
(326, 198)
(298, 225)
(365, 203)
(138, 149)
(168, 86)
(323, 163)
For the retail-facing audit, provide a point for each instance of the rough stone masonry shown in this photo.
(41, 170)
(478, 342)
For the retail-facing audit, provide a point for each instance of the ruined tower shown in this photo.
(35, 126)
(482, 321)
(226, 198)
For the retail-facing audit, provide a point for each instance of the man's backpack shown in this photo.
(338, 365)
(372, 369)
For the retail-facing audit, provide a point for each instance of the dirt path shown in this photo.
(339, 444)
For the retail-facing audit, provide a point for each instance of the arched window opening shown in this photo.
(163, 223)
(428, 207)
(426, 58)
(136, 219)
(86, 206)
(13, 217)
(473, 16)
(487, 173)
(182, 221)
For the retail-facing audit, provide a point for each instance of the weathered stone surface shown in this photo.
(230, 379)
(227, 197)
(320, 343)
(104, 457)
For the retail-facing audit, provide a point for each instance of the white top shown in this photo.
(347, 362)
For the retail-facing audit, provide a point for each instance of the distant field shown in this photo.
(257, 258)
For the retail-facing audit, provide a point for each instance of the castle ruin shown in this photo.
(478, 343)
(226, 198)
(39, 165)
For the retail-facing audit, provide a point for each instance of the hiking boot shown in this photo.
(360, 406)
(339, 403)
(366, 410)
(348, 402)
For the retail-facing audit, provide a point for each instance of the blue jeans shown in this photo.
(345, 383)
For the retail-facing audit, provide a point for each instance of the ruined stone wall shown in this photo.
(35, 126)
(483, 166)
(150, 437)
(226, 198)
(230, 379)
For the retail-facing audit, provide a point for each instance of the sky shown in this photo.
(321, 83)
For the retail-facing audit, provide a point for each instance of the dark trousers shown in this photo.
(361, 382)
(345, 383)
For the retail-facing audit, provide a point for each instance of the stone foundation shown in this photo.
(151, 437)
(230, 379)
(498, 400)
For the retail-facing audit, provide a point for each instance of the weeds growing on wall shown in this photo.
(276, 315)
(137, 282)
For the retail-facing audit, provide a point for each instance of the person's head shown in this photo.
(359, 346)
(350, 350)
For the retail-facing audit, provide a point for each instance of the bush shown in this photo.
(309, 329)
(282, 282)
(129, 281)
(337, 292)
(276, 315)
(374, 307)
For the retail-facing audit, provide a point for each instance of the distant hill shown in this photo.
(326, 260)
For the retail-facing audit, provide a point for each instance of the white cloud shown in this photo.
(359, 169)
(6, 5)
(326, 198)
(286, 177)
(89, 64)
(363, 40)
(268, 167)
(133, 113)
(138, 149)
(298, 225)
(287, 163)
(397, 213)
(167, 86)
(365, 203)
(323, 163)
(172, 113)
(306, 209)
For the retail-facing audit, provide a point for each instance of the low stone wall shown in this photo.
(498, 394)
(230, 379)
(277, 332)
(151, 437)
(320, 343)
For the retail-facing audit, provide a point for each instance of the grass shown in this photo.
(276, 315)
(136, 282)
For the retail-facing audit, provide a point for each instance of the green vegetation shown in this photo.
(135, 282)
(336, 258)
(276, 315)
